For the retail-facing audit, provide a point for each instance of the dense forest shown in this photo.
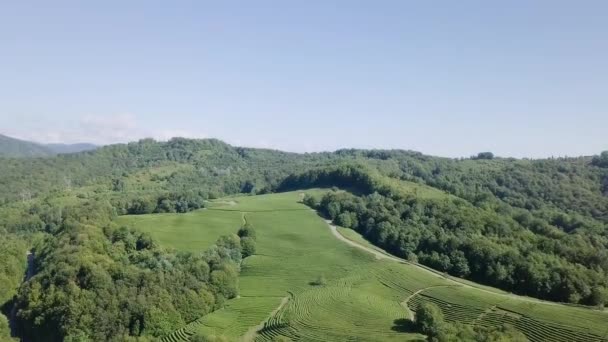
(96, 281)
(535, 227)
(547, 253)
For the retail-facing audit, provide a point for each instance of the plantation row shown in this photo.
(534, 329)
(360, 297)
(361, 314)
(302, 318)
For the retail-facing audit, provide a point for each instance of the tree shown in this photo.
(247, 231)
(505, 333)
(229, 241)
(344, 220)
(309, 201)
(333, 210)
(484, 155)
(460, 265)
(601, 160)
(429, 319)
(5, 332)
(248, 246)
(599, 296)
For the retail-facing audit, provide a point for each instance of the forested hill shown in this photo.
(574, 187)
(534, 227)
(11, 147)
(572, 184)
(16, 148)
(70, 148)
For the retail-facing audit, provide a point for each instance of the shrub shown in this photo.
(247, 246)
(247, 231)
(310, 201)
(320, 281)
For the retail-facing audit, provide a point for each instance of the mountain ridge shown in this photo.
(11, 147)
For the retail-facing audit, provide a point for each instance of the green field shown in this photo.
(363, 299)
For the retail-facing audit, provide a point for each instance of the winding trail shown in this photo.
(376, 253)
(407, 308)
(250, 335)
(380, 255)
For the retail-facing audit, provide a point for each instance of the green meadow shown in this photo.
(359, 296)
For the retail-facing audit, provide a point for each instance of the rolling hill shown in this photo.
(367, 294)
(70, 148)
(123, 250)
(16, 148)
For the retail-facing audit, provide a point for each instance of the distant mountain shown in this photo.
(11, 147)
(16, 148)
(70, 148)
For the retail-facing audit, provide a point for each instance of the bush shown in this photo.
(320, 281)
(247, 231)
(5, 331)
(310, 201)
(484, 155)
(344, 220)
(247, 246)
(429, 319)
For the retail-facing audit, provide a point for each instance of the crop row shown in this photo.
(535, 330)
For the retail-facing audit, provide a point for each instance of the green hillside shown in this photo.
(535, 228)
(361, 297)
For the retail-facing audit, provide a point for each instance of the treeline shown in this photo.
(158, 203)
(453, 236)
(601, 160)
(572, 185)
(208, 166)
(96, 281)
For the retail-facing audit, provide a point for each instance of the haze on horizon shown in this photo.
(518, 78)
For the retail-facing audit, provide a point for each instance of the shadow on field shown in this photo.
(403, 325)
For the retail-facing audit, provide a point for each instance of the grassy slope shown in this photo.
(551, 313)
(294, 248)
(193, 231)
(362, 297)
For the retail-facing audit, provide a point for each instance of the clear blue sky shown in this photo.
(450, 78)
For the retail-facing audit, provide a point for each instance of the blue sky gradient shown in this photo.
(449, 78)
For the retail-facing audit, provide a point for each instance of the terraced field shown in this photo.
(363, 298)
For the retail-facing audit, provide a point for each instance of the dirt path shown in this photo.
(228, 203)
(407, 308)
(253, 331)
(380, 255)
(376, 253)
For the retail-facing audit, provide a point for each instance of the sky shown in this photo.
(449, 78)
